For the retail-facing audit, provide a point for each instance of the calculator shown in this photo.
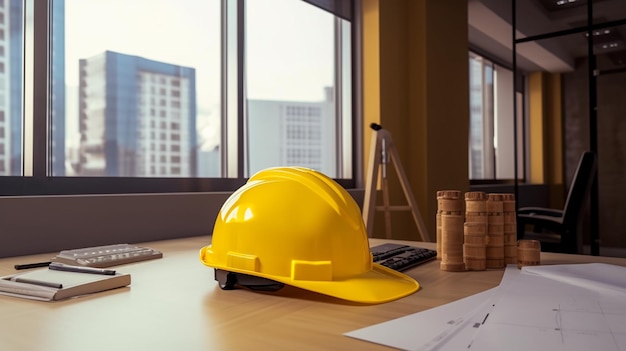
(107, 256)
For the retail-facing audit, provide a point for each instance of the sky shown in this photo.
(289, 47)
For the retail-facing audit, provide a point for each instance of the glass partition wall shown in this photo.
(583, 44)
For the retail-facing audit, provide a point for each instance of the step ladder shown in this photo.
(382, 151)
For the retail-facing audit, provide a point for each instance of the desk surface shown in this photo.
(174, 304)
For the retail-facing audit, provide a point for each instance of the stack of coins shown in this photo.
(495, 231)
(450, 222)
(528, 253)
(475, 231)
(510, 229)
(447, 203)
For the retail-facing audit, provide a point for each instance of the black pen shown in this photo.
(31, 265)
(38, 282)
(79, 269)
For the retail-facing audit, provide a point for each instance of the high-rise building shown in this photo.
(137, 117)
(292, 133)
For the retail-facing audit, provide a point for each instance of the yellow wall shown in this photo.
(546, 134)
(371, 69)
(536, 128)
(416, 85)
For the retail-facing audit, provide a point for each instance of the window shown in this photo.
(291, 75)
(492, 130)
(112, 81)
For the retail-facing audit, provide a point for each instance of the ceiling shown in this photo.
(490, 31)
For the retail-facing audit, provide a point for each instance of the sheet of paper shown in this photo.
(454, 322)
(601, 277)
(537, 312)
(561, 307)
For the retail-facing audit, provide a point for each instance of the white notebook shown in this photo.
(50, 285)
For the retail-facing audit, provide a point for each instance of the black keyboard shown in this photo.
(401, 257)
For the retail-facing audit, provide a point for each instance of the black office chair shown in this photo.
(557, 230)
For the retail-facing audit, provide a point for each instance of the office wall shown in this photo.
(76, 221)
(67, 222)
(416, 72)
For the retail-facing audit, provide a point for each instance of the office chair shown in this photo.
(557, 230)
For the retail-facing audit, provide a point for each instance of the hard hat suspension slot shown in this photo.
(229, 280)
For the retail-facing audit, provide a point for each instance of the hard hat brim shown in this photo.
(379, 285)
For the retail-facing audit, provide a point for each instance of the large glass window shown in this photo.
(120, 91)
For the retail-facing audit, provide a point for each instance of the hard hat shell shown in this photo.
(299, 227)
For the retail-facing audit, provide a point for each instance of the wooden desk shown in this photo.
(174, 304)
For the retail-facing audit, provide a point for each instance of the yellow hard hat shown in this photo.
(296, 226)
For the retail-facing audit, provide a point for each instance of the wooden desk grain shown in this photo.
(174, 304)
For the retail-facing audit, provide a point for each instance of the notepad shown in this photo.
(50, 285)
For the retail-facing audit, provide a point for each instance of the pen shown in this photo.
(78, 269)
(38, 282)
(31, 265)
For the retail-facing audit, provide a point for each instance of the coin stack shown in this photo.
(510, 229)
(447, 203)
(450, 221)
(495, 231)
(528, 253)
(475, 231)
